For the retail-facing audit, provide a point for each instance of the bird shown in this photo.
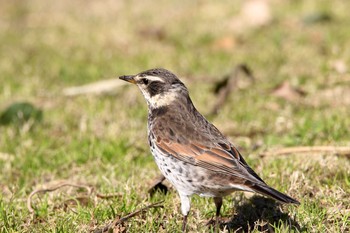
(192, 154)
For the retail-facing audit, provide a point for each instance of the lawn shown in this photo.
(297, 51)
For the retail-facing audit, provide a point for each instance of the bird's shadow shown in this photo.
(259, 213)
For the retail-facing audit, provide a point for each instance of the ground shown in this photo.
(298, 52)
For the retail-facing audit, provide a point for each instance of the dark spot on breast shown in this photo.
(190, 181)
(180, 170)
(201, 178)
(159, 111)
(158, 139)
(168, 170)
(211, 176)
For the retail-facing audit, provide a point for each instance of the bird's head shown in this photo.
(159, 86)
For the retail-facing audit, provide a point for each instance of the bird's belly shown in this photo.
(189, 179)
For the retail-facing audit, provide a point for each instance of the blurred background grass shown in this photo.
(100, 140)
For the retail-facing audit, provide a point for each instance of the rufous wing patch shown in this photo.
(212, 158)
(197, 153)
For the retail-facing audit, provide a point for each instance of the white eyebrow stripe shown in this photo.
(151, 78)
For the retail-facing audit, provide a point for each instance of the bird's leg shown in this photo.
(184, 223)
(218, 204)
(185, 208)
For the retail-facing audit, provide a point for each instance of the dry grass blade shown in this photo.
(100, 87)
(309, 149)
(118, 221)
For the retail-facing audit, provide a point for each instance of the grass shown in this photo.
(101, 140)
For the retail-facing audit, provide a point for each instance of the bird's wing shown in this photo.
(221, 158)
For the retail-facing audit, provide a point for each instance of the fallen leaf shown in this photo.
(253, 14)
(158, 186)
(288, 92)
(224, 43)
(339, 66)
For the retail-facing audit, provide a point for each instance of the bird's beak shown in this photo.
(128, 78)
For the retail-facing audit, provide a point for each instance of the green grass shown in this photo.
(101, 140)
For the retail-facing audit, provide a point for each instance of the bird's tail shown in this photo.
(268, 191)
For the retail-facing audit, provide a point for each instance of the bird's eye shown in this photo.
(145, 81)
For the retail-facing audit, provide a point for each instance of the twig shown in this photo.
(118, 221)
(228, 84)
(90, 190)
(107, 196)
(63, 184)
(309, 149)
